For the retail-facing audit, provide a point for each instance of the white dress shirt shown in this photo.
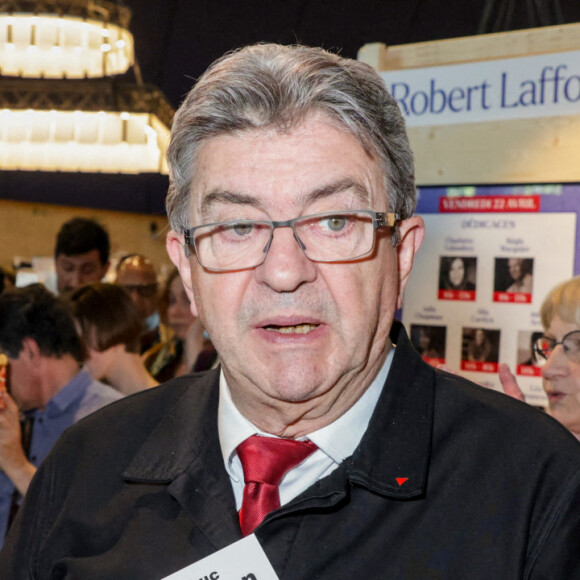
(335, 442)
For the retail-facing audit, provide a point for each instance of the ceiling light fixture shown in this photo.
(64, 39)
(61, 109)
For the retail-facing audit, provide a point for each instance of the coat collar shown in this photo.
(183, 452)
(182, 435)
(393, 456)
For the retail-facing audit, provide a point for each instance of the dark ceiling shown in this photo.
(176, 40)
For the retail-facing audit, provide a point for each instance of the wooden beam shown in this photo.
(541, 150)
(527, 42)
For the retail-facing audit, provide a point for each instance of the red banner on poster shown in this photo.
(517, 297)
(480, 367)
(465, 295)
(490, 203)
(528, 371)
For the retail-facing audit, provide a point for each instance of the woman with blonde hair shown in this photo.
(558, 352)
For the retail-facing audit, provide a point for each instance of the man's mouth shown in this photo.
(298, 329)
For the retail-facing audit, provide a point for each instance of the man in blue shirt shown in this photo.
(48, 390)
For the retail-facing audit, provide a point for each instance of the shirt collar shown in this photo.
(70, 393)
(338, 440)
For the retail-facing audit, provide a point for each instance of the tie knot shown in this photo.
(268, 459)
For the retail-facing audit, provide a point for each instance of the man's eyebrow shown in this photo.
(220, 196)
(340, 186)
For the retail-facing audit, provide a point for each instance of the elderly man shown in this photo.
(136, 273)
(81, 254)
(324, 434)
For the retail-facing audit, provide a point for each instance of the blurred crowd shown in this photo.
(64, 355)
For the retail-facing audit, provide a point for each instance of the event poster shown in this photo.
(476, 287)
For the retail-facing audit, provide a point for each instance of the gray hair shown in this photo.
(270, 85)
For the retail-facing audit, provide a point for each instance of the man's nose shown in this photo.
(285, 267)
(76, 279)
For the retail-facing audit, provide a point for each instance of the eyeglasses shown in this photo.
(545, 345)
(338, 236)
(144, 290)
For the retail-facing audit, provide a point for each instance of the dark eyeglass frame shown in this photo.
(380, 220)
(541, 354)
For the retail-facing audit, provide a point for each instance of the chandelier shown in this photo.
(63, 103)
(64, 38)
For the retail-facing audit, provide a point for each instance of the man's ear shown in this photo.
(176, 250)
(411, 234)
(30, 349)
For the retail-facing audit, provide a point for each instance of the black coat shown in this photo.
(139, 490)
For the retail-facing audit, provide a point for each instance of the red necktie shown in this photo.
(265, 461)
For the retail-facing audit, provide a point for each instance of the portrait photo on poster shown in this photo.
(480, 349)
(527, 363)
(429, 342)
(513, 280)
(457, 277)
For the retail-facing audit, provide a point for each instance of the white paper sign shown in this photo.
(512, 88)
(243, 560)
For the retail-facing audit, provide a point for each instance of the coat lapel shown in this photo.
(393, 456)
(184, 453)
